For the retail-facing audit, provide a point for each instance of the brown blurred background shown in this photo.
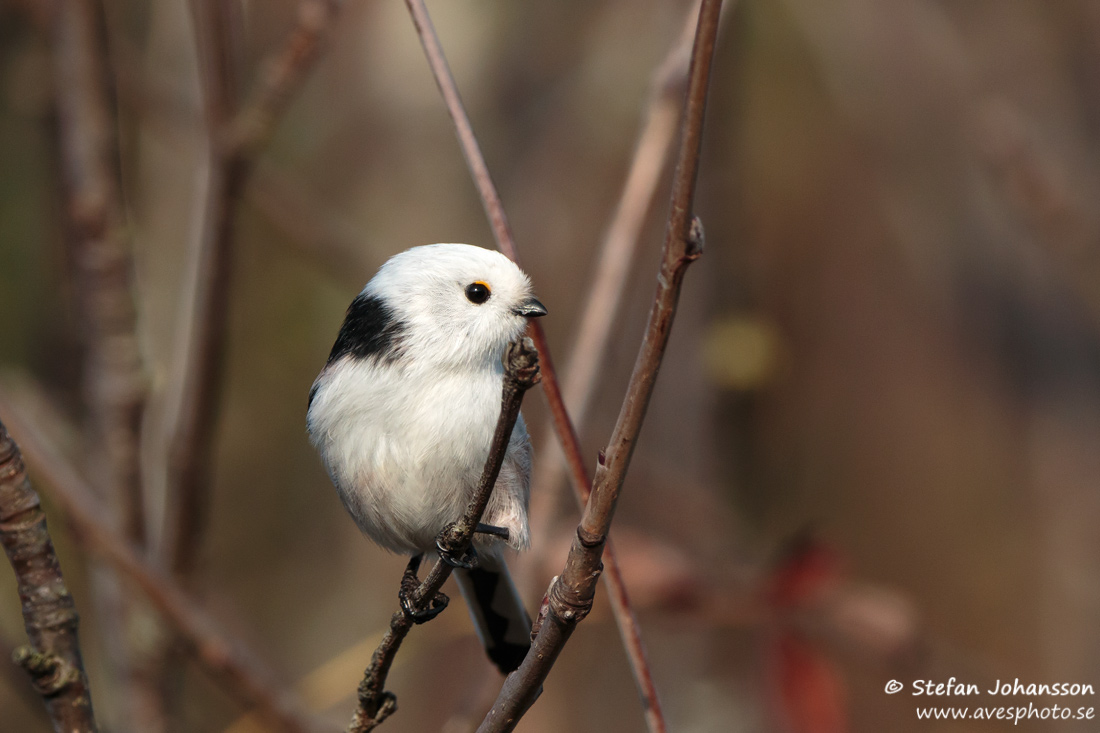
(891, 345)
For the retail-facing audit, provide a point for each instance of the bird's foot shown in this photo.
(407, 596)
(448, 543)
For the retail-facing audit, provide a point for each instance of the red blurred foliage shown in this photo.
(806, 687)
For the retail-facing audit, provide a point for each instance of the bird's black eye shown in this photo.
(477, 292)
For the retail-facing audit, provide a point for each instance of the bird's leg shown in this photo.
(492, 530)
(407, 595)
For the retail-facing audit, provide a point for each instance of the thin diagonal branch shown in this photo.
(563, 426)
(281, 78)
(53, 659)
(494, 209)
(571, 594)
(683, 245)
(242, 673)
(590, 345)
(660, 117)
(521, 372)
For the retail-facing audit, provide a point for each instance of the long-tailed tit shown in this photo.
(404, 411)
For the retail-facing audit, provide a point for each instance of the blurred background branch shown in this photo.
(234, 138)
(114, 383)
(221, 654)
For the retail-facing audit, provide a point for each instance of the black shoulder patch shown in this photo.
(370, 330)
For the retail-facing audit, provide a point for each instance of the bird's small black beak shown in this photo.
(530, 308)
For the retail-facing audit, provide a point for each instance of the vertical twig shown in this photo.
(567, 434)
(201, 335)
(570, 595)
(236, 138)
(521, 372)
(53, 659)
(114, 381)
(239, 669)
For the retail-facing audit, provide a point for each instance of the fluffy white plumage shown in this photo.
(404, 411)
(405, 431)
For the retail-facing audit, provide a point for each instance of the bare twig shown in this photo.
(235, 140)
(494, 209)
(242, 674)
(201, 335)
(570, 595)
(619, 246)
(563, 426)
(521, 372)
(114, 381)
(590, 345)
(53, 659)
(200, 331)
(282, 76)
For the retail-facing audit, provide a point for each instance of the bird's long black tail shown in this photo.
(497, 610)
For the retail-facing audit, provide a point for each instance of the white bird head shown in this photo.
(444, 304)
